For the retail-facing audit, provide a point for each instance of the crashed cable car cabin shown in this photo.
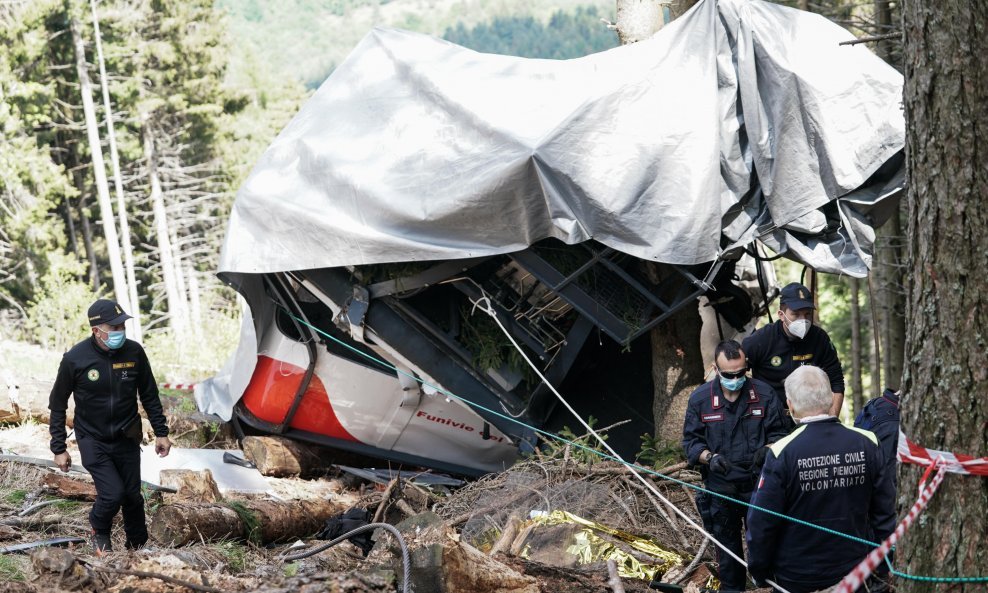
(433, 217)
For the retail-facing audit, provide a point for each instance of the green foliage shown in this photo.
(31, 182)
(565, 36)
(198, 355)
(281, 37)
(586, 451)
(16, 496)
(234, 553)
(290, 569)
(56, 318)
(12, 568)
(657, 454)
(251, 523)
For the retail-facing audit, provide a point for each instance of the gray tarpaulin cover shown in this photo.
(740, 120)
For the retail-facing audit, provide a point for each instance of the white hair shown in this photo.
(808, 391)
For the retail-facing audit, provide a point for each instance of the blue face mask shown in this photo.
(115, 339)
(732, 384)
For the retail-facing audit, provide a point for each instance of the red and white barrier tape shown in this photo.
(863, 570)
(910, 452)
(179, 386)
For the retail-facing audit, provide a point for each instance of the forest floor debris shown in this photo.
(484, 534)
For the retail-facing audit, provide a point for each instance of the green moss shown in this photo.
(234, 553)
(16, 496)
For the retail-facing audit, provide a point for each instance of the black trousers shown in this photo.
(116, 470)
(723, 519)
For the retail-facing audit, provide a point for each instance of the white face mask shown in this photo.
(799, 327)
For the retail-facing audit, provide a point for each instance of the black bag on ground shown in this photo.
(337, 525)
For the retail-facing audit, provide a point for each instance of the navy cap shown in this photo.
(795, 296)
(106, 311)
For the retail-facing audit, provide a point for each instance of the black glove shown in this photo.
(758, 582)
(719, 464)
(759, 460)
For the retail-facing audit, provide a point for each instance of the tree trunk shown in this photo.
(87, 237)
(678, 7)
(70, 227)
(273, 521)
(181, 315)
(894, 309)
(876, 346)
(945, 382)
(888, 264)
(677, 369)
(857, 390)
(165, 258)
(677, 362)
(195, 301)
(638, 19)
(120, 290)
(133, 306)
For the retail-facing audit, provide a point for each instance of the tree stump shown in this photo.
(192, 486)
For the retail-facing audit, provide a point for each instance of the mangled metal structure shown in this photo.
(588, 197)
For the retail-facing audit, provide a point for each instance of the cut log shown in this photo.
(192, 486)
(280, 457)
(264, 521)
(64, 486)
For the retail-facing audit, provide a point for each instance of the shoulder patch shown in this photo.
(776, 361)
(871, 436)
(779, 445)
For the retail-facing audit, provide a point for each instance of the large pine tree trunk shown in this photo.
(677, 364)
(946, 381)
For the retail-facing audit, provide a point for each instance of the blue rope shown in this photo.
(633, 465)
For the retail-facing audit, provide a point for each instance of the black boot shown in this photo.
(101, 543)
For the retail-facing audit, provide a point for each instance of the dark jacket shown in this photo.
(881, 416)
(772, 356)
(829, 475)
(105, 385)
(735, 430)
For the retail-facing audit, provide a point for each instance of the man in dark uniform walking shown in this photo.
(106, 373)
(729, 421)
(778, 349)
(826, 474)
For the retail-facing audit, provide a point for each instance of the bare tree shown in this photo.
(134, 306)
(945, 382)
(162, 231)
(120, 290)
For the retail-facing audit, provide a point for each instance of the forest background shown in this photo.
(193, 91)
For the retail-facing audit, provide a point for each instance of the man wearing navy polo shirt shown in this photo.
(778, 349)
